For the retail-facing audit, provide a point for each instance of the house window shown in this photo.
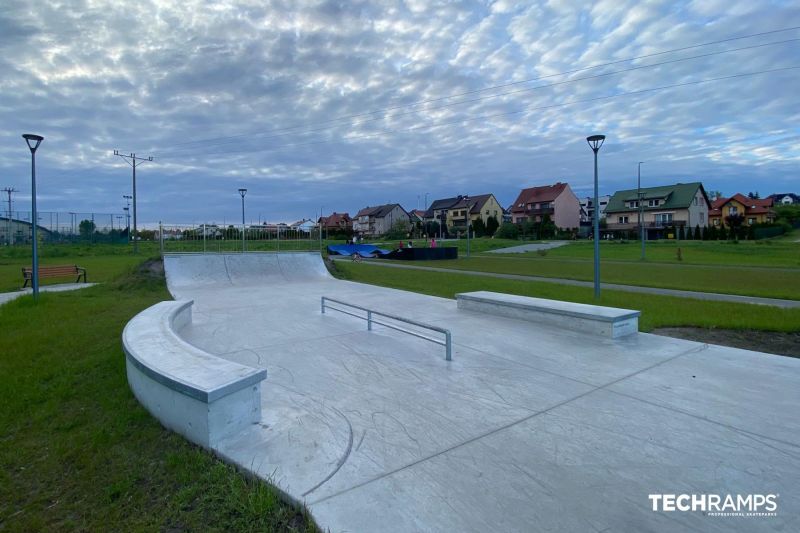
(716, 222)
(664, 218)
(634, 203)
(623, 220)
(652, 203)
(732, 210)
(696, 201)
(751, 221)
(702, 218)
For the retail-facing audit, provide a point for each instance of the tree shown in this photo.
(753, 196)
(697, 235)
(713, 195)
(734, 223)
(681, 234)
(478, 227)
(86, 229)
(547, 228)
(491, 226)
(399, 229)
(723, 234)
(507, 231)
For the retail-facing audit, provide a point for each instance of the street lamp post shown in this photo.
(37, 139)
(243, 192)
(595, 142)
(641, 204)
(127, 210)
(468, 221)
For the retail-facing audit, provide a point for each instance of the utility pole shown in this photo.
(134, 161)
(8, 191)
(640, 196)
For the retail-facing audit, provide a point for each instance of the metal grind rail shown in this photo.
(447, 342)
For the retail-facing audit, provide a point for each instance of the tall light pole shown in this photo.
(468, 221)
(595, 142)
(641, 204)
(127, 210)
(9, 191)
(242, 193)
(37, 139)
(134, 161)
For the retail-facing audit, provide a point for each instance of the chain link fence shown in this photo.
(59, 227)
(197, 238)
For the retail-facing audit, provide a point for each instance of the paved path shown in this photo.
(614, 286)
(61, 287)
(532, 247)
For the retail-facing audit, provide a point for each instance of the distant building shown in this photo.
(481, 206)
(437, 211)
(417, 215)
(15, 231)
(378, 220)
(754, 211)
(556, 201)
(785, 198)
(663, 208)
(337, 222)
(587, 207)
(305, 225)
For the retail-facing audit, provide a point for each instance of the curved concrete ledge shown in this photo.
(204, 398)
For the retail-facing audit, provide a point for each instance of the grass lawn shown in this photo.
(766, 253)
(752, 281)
(78, 452)
(657, 311)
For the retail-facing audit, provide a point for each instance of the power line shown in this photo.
(524, 109)
(501, 86)
(517, 91)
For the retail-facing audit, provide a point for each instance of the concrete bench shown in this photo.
(202, 397)
(604, 321)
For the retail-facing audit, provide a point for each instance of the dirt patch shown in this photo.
(779, 343)
(152, 267)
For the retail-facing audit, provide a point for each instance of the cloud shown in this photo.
(308, 104)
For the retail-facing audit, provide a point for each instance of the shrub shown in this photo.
(507, 230)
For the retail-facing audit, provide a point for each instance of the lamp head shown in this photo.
(595, 141)
(32, 137)
(242, 192)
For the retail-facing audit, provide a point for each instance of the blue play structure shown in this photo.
(364, 250)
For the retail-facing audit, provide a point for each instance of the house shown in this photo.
(437, 212)
(481, 206)
(337, 222)
(556, 201)
(682, 204)
(587, 207)
(417, 215)
(305, 225)
(786, 198)
(15, 231)
(754, 210)
(378, 220)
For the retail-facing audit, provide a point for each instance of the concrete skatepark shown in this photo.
(532, 425)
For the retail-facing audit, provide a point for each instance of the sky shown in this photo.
(335, 106)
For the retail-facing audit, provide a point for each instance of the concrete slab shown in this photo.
(531, 247)
(60, 287)
(530, 427)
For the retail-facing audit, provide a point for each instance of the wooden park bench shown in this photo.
(60, 271)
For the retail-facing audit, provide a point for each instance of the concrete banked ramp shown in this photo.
(530, 426)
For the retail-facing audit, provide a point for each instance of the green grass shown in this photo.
(657, 311)
(751, 281)
(77, 451)
(766, 253)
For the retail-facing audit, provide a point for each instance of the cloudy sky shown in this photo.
(339, 105)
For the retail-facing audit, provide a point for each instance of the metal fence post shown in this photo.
(161, 236)
(204, 238)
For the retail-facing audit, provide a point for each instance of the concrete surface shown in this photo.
(591, 319)
(532, 247)
(529, 428)
(202, 397)
(612, 286)
(60, 287)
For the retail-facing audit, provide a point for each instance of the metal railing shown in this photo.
(447, 342)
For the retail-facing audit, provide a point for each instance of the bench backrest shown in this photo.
(53, 270)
